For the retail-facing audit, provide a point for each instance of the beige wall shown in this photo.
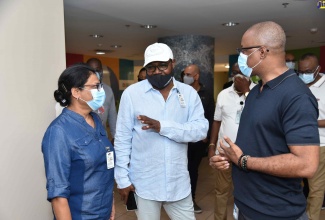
(220, 78)
(32, 55)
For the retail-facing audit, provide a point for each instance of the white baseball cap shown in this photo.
(157, 52)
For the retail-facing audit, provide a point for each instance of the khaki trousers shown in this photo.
(317, 189)
(223, 191)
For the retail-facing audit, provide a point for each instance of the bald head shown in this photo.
(192, 75)
(269, 34)
(193, 68)
(96, 64)
(290, 57)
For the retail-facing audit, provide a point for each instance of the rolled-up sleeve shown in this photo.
(57, 163)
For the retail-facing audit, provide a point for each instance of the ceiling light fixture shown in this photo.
(96, 36)
(100, 52)
(148, 26)
(116, 46)
(227, 66)
(230, 24)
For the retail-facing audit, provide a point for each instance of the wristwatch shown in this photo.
(246, 94)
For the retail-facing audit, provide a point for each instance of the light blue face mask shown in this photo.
(308, 77)
(98, 99)
(242, 63)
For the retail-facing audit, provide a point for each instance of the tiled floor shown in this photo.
(204, 198)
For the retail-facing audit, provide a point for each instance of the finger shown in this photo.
(228, 141)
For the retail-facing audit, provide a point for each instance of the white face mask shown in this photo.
(308, 77)
(188, 80)
(291, 65)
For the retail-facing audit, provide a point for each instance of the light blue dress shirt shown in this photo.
(156, 163)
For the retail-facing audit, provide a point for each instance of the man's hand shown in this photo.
(219, 162)
(241, 84)
(124, 193)
(150, 123)
(230, 150)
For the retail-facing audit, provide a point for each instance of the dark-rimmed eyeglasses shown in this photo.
(161, 66)
(308, 71)
(244, 49)
(97, 86)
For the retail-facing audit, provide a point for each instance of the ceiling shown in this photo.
(119, 22)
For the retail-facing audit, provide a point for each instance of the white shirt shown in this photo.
(318, 89)
(228, 105)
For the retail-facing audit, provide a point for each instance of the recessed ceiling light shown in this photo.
(100, 52)
(116, 46)
(230, 24)
(148, 26)
(96, 36)
(227, 66)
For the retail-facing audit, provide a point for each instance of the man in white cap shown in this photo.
(157, 118)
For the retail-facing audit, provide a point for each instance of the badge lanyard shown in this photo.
(109, 158)
(239, 111)
(181, 99)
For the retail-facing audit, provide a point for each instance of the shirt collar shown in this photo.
(319, 82)
(75, 115)
(278, 80)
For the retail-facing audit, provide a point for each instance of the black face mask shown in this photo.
(159, 81)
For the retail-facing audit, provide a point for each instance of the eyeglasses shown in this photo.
(244, 49)
(161, 66)
(98, 86)
(308, 71)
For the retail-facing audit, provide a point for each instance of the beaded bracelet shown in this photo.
(239, 160)
(244, 163)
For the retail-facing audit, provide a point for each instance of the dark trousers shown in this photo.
(195, 153)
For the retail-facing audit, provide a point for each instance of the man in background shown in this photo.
(109, 115)
(290, 61)
(196, 150)
(142, 74)
(309, 72)
(229, 106)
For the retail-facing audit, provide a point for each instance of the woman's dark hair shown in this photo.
(73, 77)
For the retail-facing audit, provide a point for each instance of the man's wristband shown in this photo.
(239, 161)
(244, 163)
(212, 144)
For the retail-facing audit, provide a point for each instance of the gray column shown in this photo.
(193, 49)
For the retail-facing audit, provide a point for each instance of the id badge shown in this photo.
(110, 159)
(181, 100)
(238, 114)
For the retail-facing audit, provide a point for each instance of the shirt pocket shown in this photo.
(86, 150)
